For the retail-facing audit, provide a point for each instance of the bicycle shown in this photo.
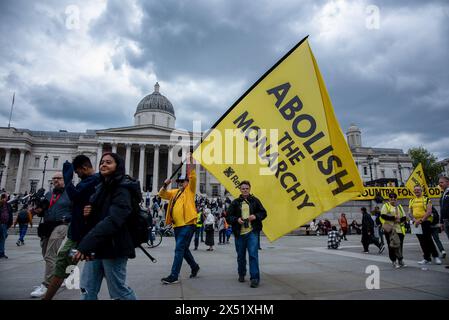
(158, 233)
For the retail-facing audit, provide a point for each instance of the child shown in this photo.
(333, 238)
(23, 218)
(228, 233)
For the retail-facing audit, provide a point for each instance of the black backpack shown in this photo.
(22, 217)
(138, 223)
(435, 216)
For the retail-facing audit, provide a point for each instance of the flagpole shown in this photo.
(10, 113)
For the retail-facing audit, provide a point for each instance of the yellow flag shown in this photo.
(417, 178)
(282, 136)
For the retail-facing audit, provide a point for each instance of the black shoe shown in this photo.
(195, 271)
(169, 280)
(4, 257)
(241, 278)
(254, 283)
(195, 248)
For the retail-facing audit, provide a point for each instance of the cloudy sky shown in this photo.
(78, 65)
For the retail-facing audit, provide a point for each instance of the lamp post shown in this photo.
(370, 163)
(400, 173)
(43, 172)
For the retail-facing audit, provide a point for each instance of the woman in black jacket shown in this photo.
(108, 245)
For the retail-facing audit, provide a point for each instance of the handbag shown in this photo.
(395, 241)
(388, 227)
(45, 229)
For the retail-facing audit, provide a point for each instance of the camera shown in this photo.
(39, 201)
(246, 223)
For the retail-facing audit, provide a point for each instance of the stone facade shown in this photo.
(151, 152)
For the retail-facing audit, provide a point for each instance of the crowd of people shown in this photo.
(392, 222)
(89, 222)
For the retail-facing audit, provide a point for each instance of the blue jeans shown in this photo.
(3, 236)
(23, 227)
(114, 270)
(183, 237)
(248, 242)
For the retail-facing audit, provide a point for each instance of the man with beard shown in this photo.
(56, 211)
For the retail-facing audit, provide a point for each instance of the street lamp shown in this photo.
(43, 172)
(370, 163)
(400, 173)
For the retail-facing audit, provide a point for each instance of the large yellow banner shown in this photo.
(282, 136)
(369, 193)
(417, 178)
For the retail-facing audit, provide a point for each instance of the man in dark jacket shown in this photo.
(79, 226)
(57, 213)
(443, 182)
(5, 222)
(245, 214)
(368, 232)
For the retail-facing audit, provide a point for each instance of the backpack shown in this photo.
(137, 223)
(22, 217)
(435, 216)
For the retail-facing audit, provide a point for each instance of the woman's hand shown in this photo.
(87, 210)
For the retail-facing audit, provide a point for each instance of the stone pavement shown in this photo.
(293, 267)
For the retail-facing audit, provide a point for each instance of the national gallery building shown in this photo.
(28, 159)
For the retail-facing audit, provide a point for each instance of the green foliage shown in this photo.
(429, 162)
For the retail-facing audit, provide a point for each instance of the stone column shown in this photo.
(114, 148)
(99, 154)
(19, 171)
(142, 165)
(128, 158)
(198, 177)
(183, 158)
(155, 169)
(5, 170)
(169, 162)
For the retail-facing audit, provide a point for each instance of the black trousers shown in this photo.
(426, 242)
(368, 239)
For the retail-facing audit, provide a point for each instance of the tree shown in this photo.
(429, 162)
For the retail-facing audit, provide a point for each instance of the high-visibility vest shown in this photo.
(199, 224)
(401, 214)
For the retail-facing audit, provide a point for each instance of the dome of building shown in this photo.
(155, 109)
(353, 128)
(354, 136)
(155, 102)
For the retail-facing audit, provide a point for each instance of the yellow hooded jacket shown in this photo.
(186, 201)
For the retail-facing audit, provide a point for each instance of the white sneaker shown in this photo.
(424, 261)
(39, 292)
(437, 260)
